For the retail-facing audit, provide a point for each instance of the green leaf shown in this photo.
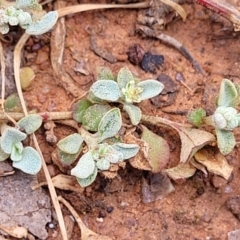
(110, 124)
(105, 74)
(227, 94)
(124, 77)
(79, 109)
(71, 144)
(66, 158)
(12, 103)
(31, 161)
(3, 155)
(88, 181)
(103, 164)
(133, 112)
(196, 116)
(106, 90)
(85, 166)
(93, 115)
(11, 136)
(127, 150)
(151, 88)
(45, 24)
(16, 154)
(158, 150)
(225, 141)
(30, 123)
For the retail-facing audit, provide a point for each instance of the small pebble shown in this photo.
(179, 77)
(100, 220)
(51, 225)
(110, 209)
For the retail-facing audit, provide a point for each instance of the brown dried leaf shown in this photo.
(215, 163)
(181, 171)
(192, 140)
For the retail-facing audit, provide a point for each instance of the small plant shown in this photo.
(100, 154)
(26, 159)
(125, 89)
(225, 118)
(28, 14)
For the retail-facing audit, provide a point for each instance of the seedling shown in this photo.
(225, 118)
(126, 89)
(26, 159)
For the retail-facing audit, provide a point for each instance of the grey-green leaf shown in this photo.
(16, 154)
(151, 88)
(11, 136)
(133, 112)
(31, 161)
(110, 124)
(85, 166)
(79, 109)
(30, 123)
(103, 164)
(71, 144)
(45, 24)
(127, 150)
(124, 77)
(88, 181)
(3, 155)
(105, 73)
(106, 90)
(225, 141)
(227, 94)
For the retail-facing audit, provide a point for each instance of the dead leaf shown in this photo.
(215, 163)
(158, 150)
(181, 171)
(192, 140)
(17, 232)
(198, 166)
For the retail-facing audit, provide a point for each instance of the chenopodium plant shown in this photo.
(103, 147)
(225, 118)
(27, 158)
(28, 14)
(125, 89)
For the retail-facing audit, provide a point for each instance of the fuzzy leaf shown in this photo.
(66, 158)
(45, 24)
(105, 74)
(103, 164)
(127, 150)
(30, 123)
(12, 103)
(216, 164)
(79, 109)
(88, 181)
(71, 144)
(85, 166)
(158, 150)
(106, 90)
(181, 171)
(133, 112)
(196, 116)
(3, 155)
(124, 77)
(225, 141)
(227, 94)
(26, 77)
(110, 124)
(151, 88)
(93, 115)
(16, 154)
(11, 136)
(30, 163)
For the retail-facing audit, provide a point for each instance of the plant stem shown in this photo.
(44, 115)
